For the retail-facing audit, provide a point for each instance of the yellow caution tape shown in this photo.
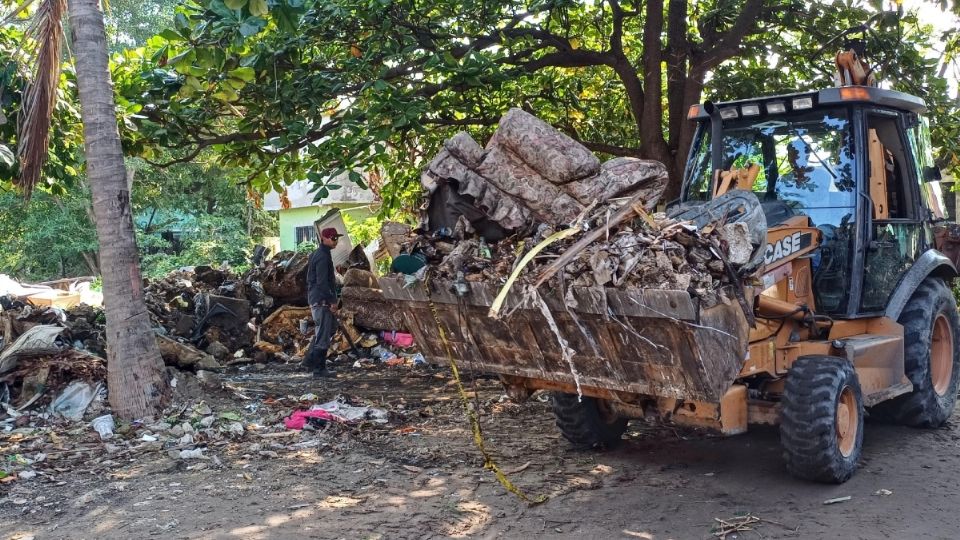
(488, 462)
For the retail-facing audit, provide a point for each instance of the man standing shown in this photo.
(322, 295)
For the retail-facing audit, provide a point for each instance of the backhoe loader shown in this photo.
(850, 314)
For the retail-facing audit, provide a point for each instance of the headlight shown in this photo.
(729, 113)
(776, 107)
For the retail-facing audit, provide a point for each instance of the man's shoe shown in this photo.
(324, 374)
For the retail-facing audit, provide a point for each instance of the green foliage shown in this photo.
(265, 92)
(212, 240)
(306, 247)
(291, 89)
(66, 141)
(47, 238)
(364, 231)
(204, 207)
(295, 89)
(130, 23)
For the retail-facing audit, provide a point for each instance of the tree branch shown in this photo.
(729, 43)
(620, 151)
(469, 121)
(569, 58)
(616, 36)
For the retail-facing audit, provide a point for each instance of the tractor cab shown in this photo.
(855, 161)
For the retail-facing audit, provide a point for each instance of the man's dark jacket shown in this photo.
(321, 283)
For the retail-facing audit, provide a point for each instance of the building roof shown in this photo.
(300, 195)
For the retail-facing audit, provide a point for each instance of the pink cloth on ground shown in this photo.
(399, 339)
(299, 418)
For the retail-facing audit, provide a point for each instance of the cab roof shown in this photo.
(826, 97)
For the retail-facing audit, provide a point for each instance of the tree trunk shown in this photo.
(135, 372)
(692, 90)
(653, 144)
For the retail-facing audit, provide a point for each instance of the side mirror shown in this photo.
(932, 174)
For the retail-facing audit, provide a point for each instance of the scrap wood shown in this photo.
(516, 470)
(629, 209)
(725, 527)
(179, 354)
(285, 320)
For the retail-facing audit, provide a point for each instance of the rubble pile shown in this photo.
(206, 313)
(283, 278)
(206, 319)
(531, 185)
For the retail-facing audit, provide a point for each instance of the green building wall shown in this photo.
(292, 218)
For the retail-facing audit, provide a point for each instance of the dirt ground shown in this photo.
(420, 476)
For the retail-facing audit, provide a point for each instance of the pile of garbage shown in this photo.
(206, 319)
(200, 433)
(537, 204)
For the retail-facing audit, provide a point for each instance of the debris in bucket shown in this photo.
(489, 206)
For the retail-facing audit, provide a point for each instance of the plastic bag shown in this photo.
(74, 400)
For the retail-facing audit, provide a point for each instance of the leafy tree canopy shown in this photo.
(290, 89)
(66, 141)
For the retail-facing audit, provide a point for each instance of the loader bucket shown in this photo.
(647, 342)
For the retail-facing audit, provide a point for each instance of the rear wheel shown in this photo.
(587, 422)
(931, 357)
(821, 424)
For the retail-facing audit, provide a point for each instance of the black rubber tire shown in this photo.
(923, 407)
(808, 431)
(583, 424)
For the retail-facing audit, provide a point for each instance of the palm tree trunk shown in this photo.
(135, 377)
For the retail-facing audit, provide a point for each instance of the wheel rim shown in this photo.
(941, 355)
(848, 421)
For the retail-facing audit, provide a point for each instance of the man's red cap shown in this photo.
(331, 233)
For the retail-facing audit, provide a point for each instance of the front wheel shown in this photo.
(587, 422)
(821, 424)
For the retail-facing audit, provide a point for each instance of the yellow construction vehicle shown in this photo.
(852, 312)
